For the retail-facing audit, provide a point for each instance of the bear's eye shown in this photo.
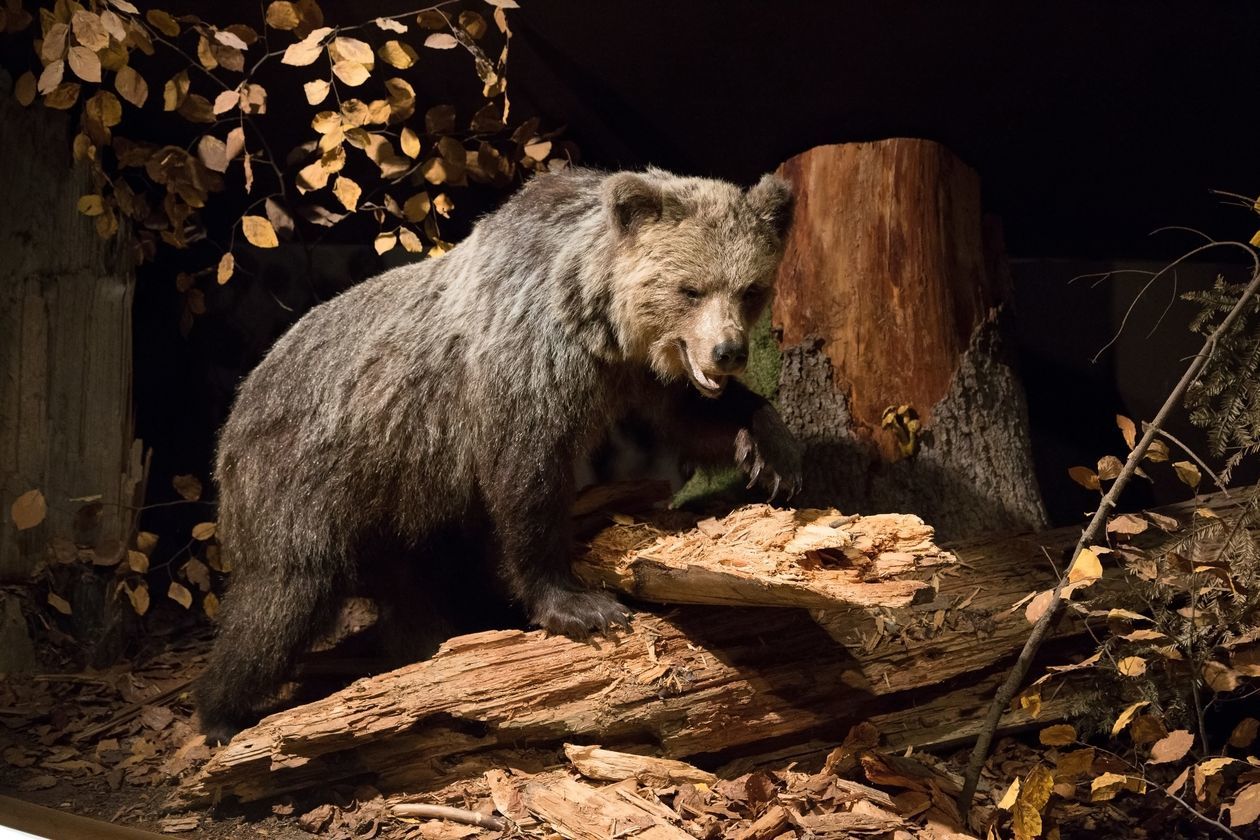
(753, 294)
(691, 293)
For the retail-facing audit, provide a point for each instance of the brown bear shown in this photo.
(432, 417)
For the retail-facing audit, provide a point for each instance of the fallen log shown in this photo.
(764, 556)
(697, 681)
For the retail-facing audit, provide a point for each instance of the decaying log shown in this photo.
(705, 681)
(765, 556)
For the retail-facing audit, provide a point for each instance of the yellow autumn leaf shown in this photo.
(210, 604)
(283, 15)
(1188, 473)
(131, 86)
(1008, 799)
(29, 509)
(443, 205)
(1058, 736)
(385, 242)
(259, 232)
(410, 242)
(227, 264)
(397, 54)
(58, 603)
(203, 531)
(91, 205)
(351, 72)
(137, 561)
(1132, 666)
(1087, 566)
(139, 597)
(1085, 477)
(416, 207)
(1127, 715)
(316, 91)
(409, 141)
(163, 22)
(179, 593)
(347, 192)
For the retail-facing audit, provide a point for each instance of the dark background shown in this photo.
(1091, 124)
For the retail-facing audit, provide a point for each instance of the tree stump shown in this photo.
(892, 369)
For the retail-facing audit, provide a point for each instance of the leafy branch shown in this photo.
(1097, 525)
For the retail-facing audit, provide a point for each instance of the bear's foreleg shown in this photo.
(529, 494)
(741, 425)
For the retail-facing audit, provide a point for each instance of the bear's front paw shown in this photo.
(576, 612)
(767, 453)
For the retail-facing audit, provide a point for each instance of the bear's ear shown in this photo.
(771, 200)
(632, 200)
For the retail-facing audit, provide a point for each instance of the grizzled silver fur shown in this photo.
(434, 414)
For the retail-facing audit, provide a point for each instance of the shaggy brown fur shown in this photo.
(433, 416)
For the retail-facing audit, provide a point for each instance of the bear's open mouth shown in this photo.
(709, 386)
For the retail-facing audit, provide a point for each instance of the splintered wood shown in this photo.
(760, 555)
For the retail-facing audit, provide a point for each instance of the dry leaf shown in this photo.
(305, 52)
(203, 531)
(213, 153)
(1245, 809)
(1012, 793)
(1127, 524)
(227, 264)
(59, 604)
(187, 486)
(210, 604)
(1038, 605)
(179, 593)
(1172, 747)
(259, 232)
(1188, 473)
(1127, 715)
(1085, 477)
(409, 142)
(1244, 733)
(441, 41)
(139, 597)
(85, 64)
(410, 242)
(24, 89)
(347, 192)
(316, 91)
(131, 86)
(91, 205)
(163, 22)
(1086, 567)
(1106, 786)
(1059, 735)
(1109, 467)
(1132, 666)
(397, 54)
(384, 242)
(417, 207)
(1128, 429)
(283, 15)
(1157, 451)
(351, 72)
(1220, 677)
(29, 509)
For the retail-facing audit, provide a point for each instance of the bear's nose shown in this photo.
(731, 356)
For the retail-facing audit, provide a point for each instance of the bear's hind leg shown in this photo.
(268, 620)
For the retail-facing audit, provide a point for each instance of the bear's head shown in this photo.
(695, 266)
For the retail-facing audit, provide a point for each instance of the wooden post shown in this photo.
(65, 348)
(892, 371)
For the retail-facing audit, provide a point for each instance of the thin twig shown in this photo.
(420, 810)
(1015, 679)
(1216, 479)
(1199, 815)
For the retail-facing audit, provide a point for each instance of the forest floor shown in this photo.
(113, 744)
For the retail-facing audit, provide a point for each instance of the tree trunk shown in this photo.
(892, 367)
(65, 349)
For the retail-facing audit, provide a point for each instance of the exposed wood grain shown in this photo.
(764, 556)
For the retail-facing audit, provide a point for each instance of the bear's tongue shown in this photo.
(707, 385)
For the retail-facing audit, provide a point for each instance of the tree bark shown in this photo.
(65, 350)
(887, 299)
